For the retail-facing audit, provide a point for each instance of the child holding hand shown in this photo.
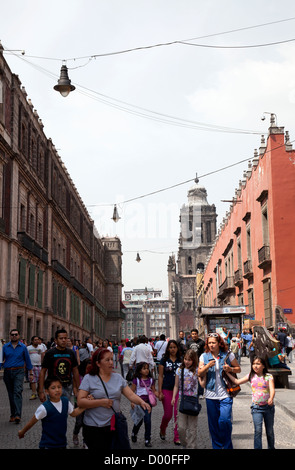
(142, 382)
(262, 408)
(53, 413)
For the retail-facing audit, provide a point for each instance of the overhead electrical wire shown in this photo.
(187, 181)
(183, 41)
(150, 251)
(248, 46)
(144, 112)
(177, 184)
(161, 117)
(157, 116)
(147, 113)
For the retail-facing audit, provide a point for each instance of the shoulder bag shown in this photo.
(189, 405)
(160, 348)
(231, 388)
(130, 375)
(119, 428)
(151, 395)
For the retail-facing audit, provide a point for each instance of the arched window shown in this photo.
(200, 267)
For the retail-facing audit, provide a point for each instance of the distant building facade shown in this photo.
(157, 317)
(147, 313)
(252, 261)
(55, 269)
(197, 234)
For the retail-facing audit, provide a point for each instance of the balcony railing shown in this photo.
(227, 287)
(77, 285)
(60, 269)
(238, 277)
(31, 245)
(248, 271)
(264, 257)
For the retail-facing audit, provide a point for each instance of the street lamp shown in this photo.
(64, 83)
(116, 216)
(273, 118)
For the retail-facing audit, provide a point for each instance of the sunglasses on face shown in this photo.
(14, 334)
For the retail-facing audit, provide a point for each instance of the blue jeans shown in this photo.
(219, 414)
(264, 413)
(147, 419)
(14, 380)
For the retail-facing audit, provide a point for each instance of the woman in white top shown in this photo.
(106, 344)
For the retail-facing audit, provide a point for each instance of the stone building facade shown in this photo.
(197, 234)
(56, 271)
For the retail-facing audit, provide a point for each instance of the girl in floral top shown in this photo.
(187, 425)
(262, 408)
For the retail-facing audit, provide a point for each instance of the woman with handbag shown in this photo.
(106, 388)
(218, 401)
(143, 385)
(167, 371)
(186, 382)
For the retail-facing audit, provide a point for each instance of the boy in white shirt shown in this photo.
(53, 413)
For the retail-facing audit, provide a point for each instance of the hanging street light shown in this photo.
(138, 258)
(116, 216)
(64, 83)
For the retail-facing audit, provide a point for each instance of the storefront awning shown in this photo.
(238, 310)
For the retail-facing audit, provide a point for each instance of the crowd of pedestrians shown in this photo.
(77, 378)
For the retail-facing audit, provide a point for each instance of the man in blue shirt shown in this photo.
(282, 339)
(247, 336)
(15, 358)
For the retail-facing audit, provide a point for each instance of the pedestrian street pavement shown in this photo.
(242, 434)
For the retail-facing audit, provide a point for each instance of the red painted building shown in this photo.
(252, 262)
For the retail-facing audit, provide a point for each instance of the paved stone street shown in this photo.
(242, 424)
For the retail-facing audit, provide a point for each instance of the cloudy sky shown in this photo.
(149, 119)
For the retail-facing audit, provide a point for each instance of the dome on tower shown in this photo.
(197, 194)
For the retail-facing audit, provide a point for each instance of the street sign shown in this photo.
(288, 310)
(223, 310)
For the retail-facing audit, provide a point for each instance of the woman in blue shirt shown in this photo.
(218, 402)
